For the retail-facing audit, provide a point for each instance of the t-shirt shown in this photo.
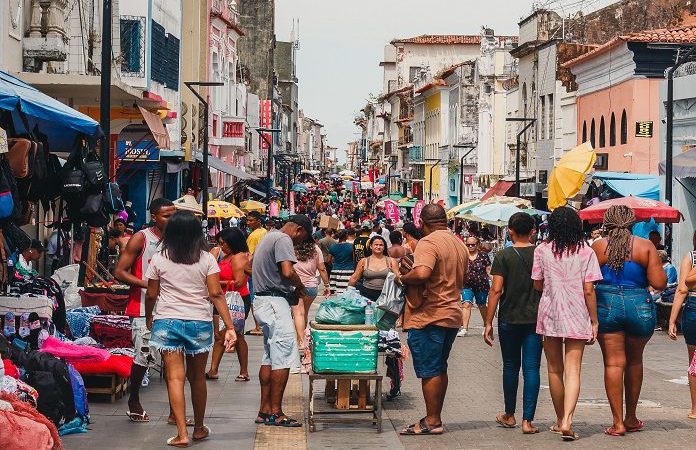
(254, 238)
(447, 257)
(519, 302)
(183, 287)
(359, 248)
(326, 243)
(477, 278)
(342, 256)
(307, 270)
(273, 249)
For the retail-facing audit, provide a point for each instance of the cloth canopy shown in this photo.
(683, 165)
(156, 128)
(56, 120)
(499, 188)
(635, 184)
(222, 166)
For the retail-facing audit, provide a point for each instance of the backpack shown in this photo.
(94, 171)
(113, 202)
(79, 392)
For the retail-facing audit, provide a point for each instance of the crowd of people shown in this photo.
(553, 289)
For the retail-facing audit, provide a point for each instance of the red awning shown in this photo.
(154, 123)
(499, 188)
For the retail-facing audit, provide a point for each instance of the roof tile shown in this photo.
(446, 39)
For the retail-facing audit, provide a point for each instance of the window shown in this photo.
(543, 176)
(624, 128)
(602, 162)
(132, 49)
(592, 134)
(552, 124)
(612, 130)
(172, 65)
(602, 138)
(413, 73)
(542, 107)
(584, 131)
(158, 56)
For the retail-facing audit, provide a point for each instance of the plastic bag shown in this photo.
(236, 306)
(385, 321)
(392, 298)
(342, 310)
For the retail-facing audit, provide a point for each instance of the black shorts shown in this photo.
(247, 306)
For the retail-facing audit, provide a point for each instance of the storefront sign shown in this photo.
(644, 129)
(137, 150)
(391, 211)
(266, 121)
(417, 212)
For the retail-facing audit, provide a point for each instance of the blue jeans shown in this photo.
(626, 309)
(521, 347)
(688, 324)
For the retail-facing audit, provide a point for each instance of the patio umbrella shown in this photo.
(253, 205)
(568, 176)
(348, 173)
(495, 214)
(218, 209)
(463, 208)
(188, 203)
(299, 187)
(407, 202)
(393, 196)
(644, 209)
(501, 199)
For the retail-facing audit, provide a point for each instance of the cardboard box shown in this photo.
(328, 222)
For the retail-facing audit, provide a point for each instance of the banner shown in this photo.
(391, 211)
(417, 212)
(273, 208)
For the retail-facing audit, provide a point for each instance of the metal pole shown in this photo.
(430, 187)
(517, 156)
(105, 94)
(204, 177)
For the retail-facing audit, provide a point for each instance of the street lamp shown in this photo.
(471, 148)
(204, 175)
(269, 183)
(517, 153)
(436, 162)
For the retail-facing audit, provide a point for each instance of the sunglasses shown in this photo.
(471, 245)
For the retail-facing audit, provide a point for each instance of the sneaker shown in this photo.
(462, 332)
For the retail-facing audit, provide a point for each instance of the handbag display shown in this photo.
(21, 155)
(94, 170)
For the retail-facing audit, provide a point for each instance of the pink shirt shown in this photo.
(307, 270)
(183, 288)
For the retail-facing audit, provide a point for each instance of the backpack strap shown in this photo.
(693, 258)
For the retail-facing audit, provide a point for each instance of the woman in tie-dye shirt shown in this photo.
(565, 270)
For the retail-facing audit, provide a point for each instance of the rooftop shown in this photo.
(443, 39)
(679, 35)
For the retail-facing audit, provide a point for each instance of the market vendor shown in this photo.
(25, 257)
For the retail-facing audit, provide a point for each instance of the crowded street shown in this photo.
(291, 224)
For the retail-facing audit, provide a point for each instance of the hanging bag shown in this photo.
(73, 178)
(94, 170)
(235, 304)
(113, 201)
(21, 156)
(6, 200)
(392, 298)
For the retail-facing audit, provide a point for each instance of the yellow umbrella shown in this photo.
(253, 205)
(217, 209)
(569, 174)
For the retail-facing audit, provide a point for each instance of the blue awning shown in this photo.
(57, 120)
(636, 184)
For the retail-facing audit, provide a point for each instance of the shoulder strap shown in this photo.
(524, 264)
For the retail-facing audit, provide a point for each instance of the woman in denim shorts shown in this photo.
(626, 312)
(182, 276)
(477, 284)
(686, 295)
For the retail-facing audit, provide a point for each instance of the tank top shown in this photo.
(692, 292)
(227, 274)
(631, 275)
(136, 300)
(374, 279)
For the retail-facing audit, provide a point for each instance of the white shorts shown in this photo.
(274, 316)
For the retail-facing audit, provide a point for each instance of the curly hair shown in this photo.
(565, 231)
(305, 250)
(618, 221)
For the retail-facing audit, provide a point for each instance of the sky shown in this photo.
(342, 43)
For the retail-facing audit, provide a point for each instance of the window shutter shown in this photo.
(158, 58)
(172, 55)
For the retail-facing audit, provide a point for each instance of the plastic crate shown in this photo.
(344, 348)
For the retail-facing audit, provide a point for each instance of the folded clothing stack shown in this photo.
(112, 331)
(79, 320)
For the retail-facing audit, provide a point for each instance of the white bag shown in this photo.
(392, 298)
(235, 304)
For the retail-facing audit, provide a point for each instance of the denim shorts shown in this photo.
(176, 335)
(688, 324)
(480, 298)
(631, 310)
(274, 316)
(430, 348)
(312, 292)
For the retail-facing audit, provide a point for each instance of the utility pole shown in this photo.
(517, 152)
(105, 91)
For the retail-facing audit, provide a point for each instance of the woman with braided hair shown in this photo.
(565, 270)
(626, 312)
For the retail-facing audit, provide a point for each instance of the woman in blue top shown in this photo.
(343, 265)
(686, 295)
(626, 312)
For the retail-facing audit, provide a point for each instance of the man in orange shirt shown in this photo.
(433, 317)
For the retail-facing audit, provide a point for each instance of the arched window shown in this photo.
(602, 136)
(592, 133)
(612, 130)
(624, 128)
(584, 131)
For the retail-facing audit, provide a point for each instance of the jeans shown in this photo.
(631, 310)
(521, 347)
(688, 324)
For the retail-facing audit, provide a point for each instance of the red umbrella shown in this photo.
(644, 209)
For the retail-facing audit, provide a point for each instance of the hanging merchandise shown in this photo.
(4, 147)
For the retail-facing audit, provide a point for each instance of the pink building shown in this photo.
(618, 97)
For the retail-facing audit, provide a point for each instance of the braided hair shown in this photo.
(618, 221)
(565, 232)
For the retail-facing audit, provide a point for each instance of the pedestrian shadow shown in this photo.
(586, 429)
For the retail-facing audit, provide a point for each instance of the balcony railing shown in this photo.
(406, 111)
(405, 137)
(415, 154)
(225, 12)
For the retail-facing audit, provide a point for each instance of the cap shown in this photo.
(304, 222)
(366, 224)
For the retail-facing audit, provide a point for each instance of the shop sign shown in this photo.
(137, 150)
(266, 120)
(644, 129)
(391, 211)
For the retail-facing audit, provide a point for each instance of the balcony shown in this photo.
(405, 137)
(47, 39)
(415, 154)
(222, 10)
(406, 111)
(233, 132)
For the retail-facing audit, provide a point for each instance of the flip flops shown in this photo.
(189, 422)
(205, 436)
(171, 443)
(261, 417)
(135, 417)
(210, 377)
(611, 431)
(636, 428)
(502, 423)
(573, 436)
(242, 378)
(423, 429)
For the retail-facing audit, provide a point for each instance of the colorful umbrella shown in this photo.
(299, 187)
(217, 209)
(466, 206)
(644, 209)
(569, 174)
(253, 205)
(393, 196)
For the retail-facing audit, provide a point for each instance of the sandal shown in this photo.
(189, 422)
(242, 378)
(499, 420)
(210, 377)
(171, 443)
(206, 436)
(638, 427)
(422, 429)
(573, 436)
(691, 416)
(261, 417)
(135, 417)
(611, 431)
(554, 429)
(286, 422)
